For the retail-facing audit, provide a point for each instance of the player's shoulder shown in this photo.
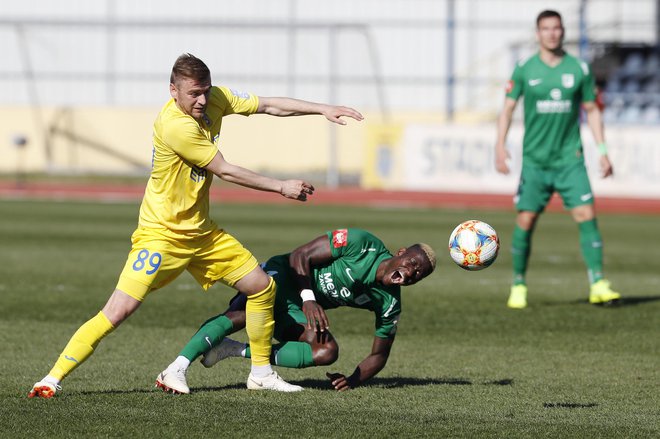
(527, 61)
(577, 62)
(230, 93)
(171, 118)
(356, 234)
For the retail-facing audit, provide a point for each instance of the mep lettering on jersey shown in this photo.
(197, 174)
(340, 238)
(327, 284)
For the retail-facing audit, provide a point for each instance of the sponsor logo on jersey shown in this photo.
(554, 105)
(339, 238)
(240, 94)
(555, 94)
(348, 273)
(509, 86)
(197, 174)
(327, 285)
(534, 82)
(568, 80)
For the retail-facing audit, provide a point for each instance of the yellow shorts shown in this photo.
(156, 260)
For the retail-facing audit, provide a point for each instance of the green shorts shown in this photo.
(288, 304)
(538, 184)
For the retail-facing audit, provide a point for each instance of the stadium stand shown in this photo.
(632, 88)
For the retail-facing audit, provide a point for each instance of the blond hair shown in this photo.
(429, 252)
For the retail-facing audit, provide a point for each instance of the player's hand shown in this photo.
(606, 169)
(296, 189)
(501, 157)
(341, 382)
(333, 113)
(316, 317)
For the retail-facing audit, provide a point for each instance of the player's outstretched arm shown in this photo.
(293, 189)
(295, 107)
(367, 369)
(503, 125)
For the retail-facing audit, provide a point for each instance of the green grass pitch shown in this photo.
(463, 364)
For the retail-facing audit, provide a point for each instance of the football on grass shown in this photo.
(473, 245)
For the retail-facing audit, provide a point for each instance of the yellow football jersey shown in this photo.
(176, 200)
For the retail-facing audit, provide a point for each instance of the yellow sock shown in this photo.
(81, 345)
(259, 323)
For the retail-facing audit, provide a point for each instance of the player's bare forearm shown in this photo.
(367, 369)
(595, 121)
(503, 125)
(293, 189)
(283, 107)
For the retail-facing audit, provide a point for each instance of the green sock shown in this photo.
(294, 354)
(209, 334)
(592, 249)
(520, 248)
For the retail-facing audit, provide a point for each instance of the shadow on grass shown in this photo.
(387, 383)
(569, 405)
(624, 301)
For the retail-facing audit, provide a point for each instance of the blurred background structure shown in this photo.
(84, 80)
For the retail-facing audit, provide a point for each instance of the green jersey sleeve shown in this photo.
(514, 88)
(588, 83)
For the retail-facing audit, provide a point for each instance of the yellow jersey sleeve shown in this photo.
(232, 101)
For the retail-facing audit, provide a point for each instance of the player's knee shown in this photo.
(326, 355)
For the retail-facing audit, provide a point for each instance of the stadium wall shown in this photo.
(413, 152)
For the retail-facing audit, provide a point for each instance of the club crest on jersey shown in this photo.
(340, 238)
(568, 80)
(509, 86)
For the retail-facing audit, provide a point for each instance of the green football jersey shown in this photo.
(350, 278)
(552, 98)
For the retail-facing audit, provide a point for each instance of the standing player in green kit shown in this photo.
(554, 85)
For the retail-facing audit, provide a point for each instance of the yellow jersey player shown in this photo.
(175, 232)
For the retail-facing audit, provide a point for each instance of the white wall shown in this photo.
(92, 61)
